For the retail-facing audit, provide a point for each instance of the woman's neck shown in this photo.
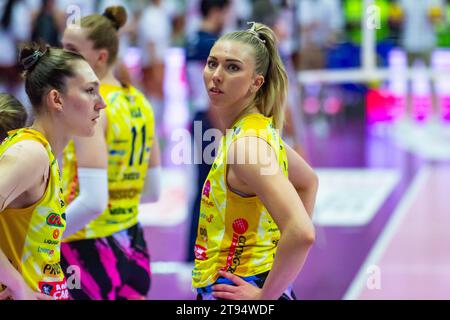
(109, 78)
(53, 131)
(229, 116)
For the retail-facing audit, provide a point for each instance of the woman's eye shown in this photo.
(211, 64)
(90, 91)
(69, 48)
(233, 67)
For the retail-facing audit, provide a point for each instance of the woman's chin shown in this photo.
(86, 133)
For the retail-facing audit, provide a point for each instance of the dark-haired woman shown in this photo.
(122, 158)
(63, 90)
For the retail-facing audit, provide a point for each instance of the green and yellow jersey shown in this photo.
(31, 237)
(236, 233)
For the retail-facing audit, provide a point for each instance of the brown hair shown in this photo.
(102, 29)
(46, 68)
(270, 98)
(12, 114)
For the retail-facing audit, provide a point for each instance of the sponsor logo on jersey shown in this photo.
(208, 203)
(117, 211)
(56, 234)
(120, 141)
(200, 252)
(234, 259)
(49, 252)
(117, 152)
(52, 270)
(240, 226)
(207, 218)
(207, 188)
(119, 194)
(55, 220)
(131, 176)
(136, 113)
(57, 290)
(51, 242)
(203, 233)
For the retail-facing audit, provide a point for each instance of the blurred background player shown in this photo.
(106, 176)
(419, 21)
(154, 36)
(198, 46)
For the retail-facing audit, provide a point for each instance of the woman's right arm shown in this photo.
(23, 167)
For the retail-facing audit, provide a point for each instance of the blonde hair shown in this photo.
(270, 98)
(103, 29)
(12, 114)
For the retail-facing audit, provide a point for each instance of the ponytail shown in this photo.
(103, 29)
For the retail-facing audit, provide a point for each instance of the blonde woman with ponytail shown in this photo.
(255, 227)
(106, 177)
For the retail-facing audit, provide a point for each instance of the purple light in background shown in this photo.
(441, 61)
(176, 113)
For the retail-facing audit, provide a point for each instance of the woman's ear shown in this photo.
(103, 56)
(257, 83)
(54, 100)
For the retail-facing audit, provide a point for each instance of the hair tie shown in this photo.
(253, 31)
(31, 60)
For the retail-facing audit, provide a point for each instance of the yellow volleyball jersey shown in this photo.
(235, 233)
(31, 237)
(129, 136)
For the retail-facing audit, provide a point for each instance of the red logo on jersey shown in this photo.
(240, 226)
(207, 188)
(57, 290)
(200, 252)
(54, 220)
(56, 234)
(237, 245)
